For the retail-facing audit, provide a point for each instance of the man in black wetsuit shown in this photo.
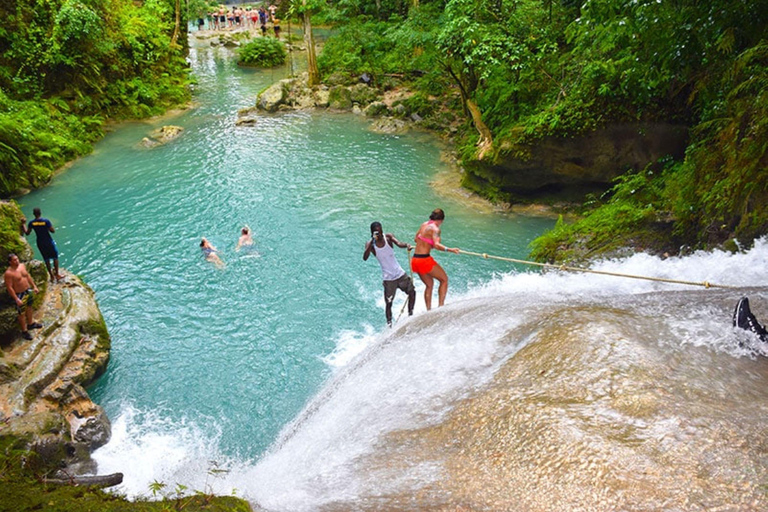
(45, 244)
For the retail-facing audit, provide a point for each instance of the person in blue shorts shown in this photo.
(45, 244)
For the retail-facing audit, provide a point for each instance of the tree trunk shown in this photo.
(99, 481)
(313, 75)
(177, 25)
(486, 138)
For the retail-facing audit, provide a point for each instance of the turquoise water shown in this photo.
(235, 353)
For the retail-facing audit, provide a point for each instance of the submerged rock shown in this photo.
(161, 136)
(247, 117)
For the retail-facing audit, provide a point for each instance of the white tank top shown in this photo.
(390, 268)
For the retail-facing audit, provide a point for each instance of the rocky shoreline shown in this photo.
(43, 397)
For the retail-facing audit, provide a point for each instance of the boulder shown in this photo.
(43, 400)
(594, 159)
(340, 98)
(161, 136)
(274, 96)
(389, 125)
(247, 116)
(376, 109)
(362, 94)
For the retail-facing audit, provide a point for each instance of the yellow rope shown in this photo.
(705, 284)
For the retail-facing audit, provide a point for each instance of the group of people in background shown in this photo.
(239, 17)
(394, 277)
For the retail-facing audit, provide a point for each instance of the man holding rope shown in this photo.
(393, 275)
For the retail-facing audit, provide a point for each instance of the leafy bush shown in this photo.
(264, 52)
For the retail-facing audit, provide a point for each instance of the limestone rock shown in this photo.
(362, 94)
(42, 392)
(274, 96)
(595, 159)
(340, 98)
(389, 125)
(376, 109)
(166, 133)
(247, 116)
(161, 136)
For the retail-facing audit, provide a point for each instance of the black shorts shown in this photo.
(390, 287)
(48, 250)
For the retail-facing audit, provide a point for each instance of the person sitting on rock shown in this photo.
(20, 285)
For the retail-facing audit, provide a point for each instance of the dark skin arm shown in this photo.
(390, 238)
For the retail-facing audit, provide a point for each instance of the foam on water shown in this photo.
(408, 378)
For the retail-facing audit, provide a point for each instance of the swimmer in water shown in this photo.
(245, 238)
(210, 253)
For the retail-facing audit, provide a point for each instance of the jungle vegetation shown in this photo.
(515, 71)
(500, 74)
(23, 475)
(67, 66)
(263, 52)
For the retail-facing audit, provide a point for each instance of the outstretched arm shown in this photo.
(397, 242)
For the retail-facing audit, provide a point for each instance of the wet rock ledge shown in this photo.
(43, 401)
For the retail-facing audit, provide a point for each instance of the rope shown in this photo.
(705, 284)
(406, 300)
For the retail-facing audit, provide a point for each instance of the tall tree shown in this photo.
(305, 10)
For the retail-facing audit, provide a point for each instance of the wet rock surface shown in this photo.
(42, 392)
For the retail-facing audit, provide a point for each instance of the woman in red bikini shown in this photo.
(428, 237)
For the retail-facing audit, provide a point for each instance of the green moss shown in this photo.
(98, 328)
(10, 234)
(21, 480)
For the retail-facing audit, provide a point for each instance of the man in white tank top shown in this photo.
(393, 275)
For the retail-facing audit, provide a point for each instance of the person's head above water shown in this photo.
(203, 242)
(245, 230)
(375, 227)
(437, 214)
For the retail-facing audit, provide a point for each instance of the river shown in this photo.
(276, 378)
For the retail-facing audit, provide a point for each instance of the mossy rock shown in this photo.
(340, 98)
(11, 241)
(377, 109)
(363, 94)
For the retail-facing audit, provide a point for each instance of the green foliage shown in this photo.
(65, 65)
(38, 137)
(722, 188)
(10, 237)
(265, 52)
(22, 471)
(632, 217)
(358, 47)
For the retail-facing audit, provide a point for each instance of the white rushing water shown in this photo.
(413, 376)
